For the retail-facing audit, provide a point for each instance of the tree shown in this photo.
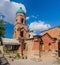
(2, 28)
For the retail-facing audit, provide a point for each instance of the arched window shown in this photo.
(21, 33)
(22, 20)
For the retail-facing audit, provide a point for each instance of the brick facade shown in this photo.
(31, 47)
(55, 34)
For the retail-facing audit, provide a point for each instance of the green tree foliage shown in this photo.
(2, 28)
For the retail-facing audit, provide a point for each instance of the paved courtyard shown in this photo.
(3, 60)
(49, 61)
(46, 60)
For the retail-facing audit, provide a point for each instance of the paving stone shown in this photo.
(3, 60)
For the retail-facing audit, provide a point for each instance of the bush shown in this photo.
(8, 51)
(17, 55)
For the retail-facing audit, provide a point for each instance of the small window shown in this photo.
(21, 33)
(22, 20)
(49, 44)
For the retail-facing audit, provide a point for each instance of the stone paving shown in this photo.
(3, 60)
(46, 60)
(30, 62)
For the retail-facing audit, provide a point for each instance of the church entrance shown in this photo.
(59, 48)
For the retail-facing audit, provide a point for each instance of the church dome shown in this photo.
(20, 10)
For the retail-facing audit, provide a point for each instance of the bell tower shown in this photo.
(20, 29)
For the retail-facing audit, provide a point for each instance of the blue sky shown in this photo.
(43, 14)
(47, 10)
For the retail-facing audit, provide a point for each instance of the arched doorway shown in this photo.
(49, 47)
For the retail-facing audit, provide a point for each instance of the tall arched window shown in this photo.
(22, 34)
(22, 20)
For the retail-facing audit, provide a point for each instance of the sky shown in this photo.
(40, 14)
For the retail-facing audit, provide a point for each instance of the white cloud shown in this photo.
(34, 16)
(40, 25)
(27, 18)
(9, 8)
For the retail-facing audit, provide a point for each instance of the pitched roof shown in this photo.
(47, 34)
(53, 39)
(50, 28)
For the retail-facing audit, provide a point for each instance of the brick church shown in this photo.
(31, 47)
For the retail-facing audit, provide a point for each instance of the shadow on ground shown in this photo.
(3, 60)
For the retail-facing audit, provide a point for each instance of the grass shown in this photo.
(18, 55)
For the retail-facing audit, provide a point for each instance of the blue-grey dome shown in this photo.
(20, 10)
